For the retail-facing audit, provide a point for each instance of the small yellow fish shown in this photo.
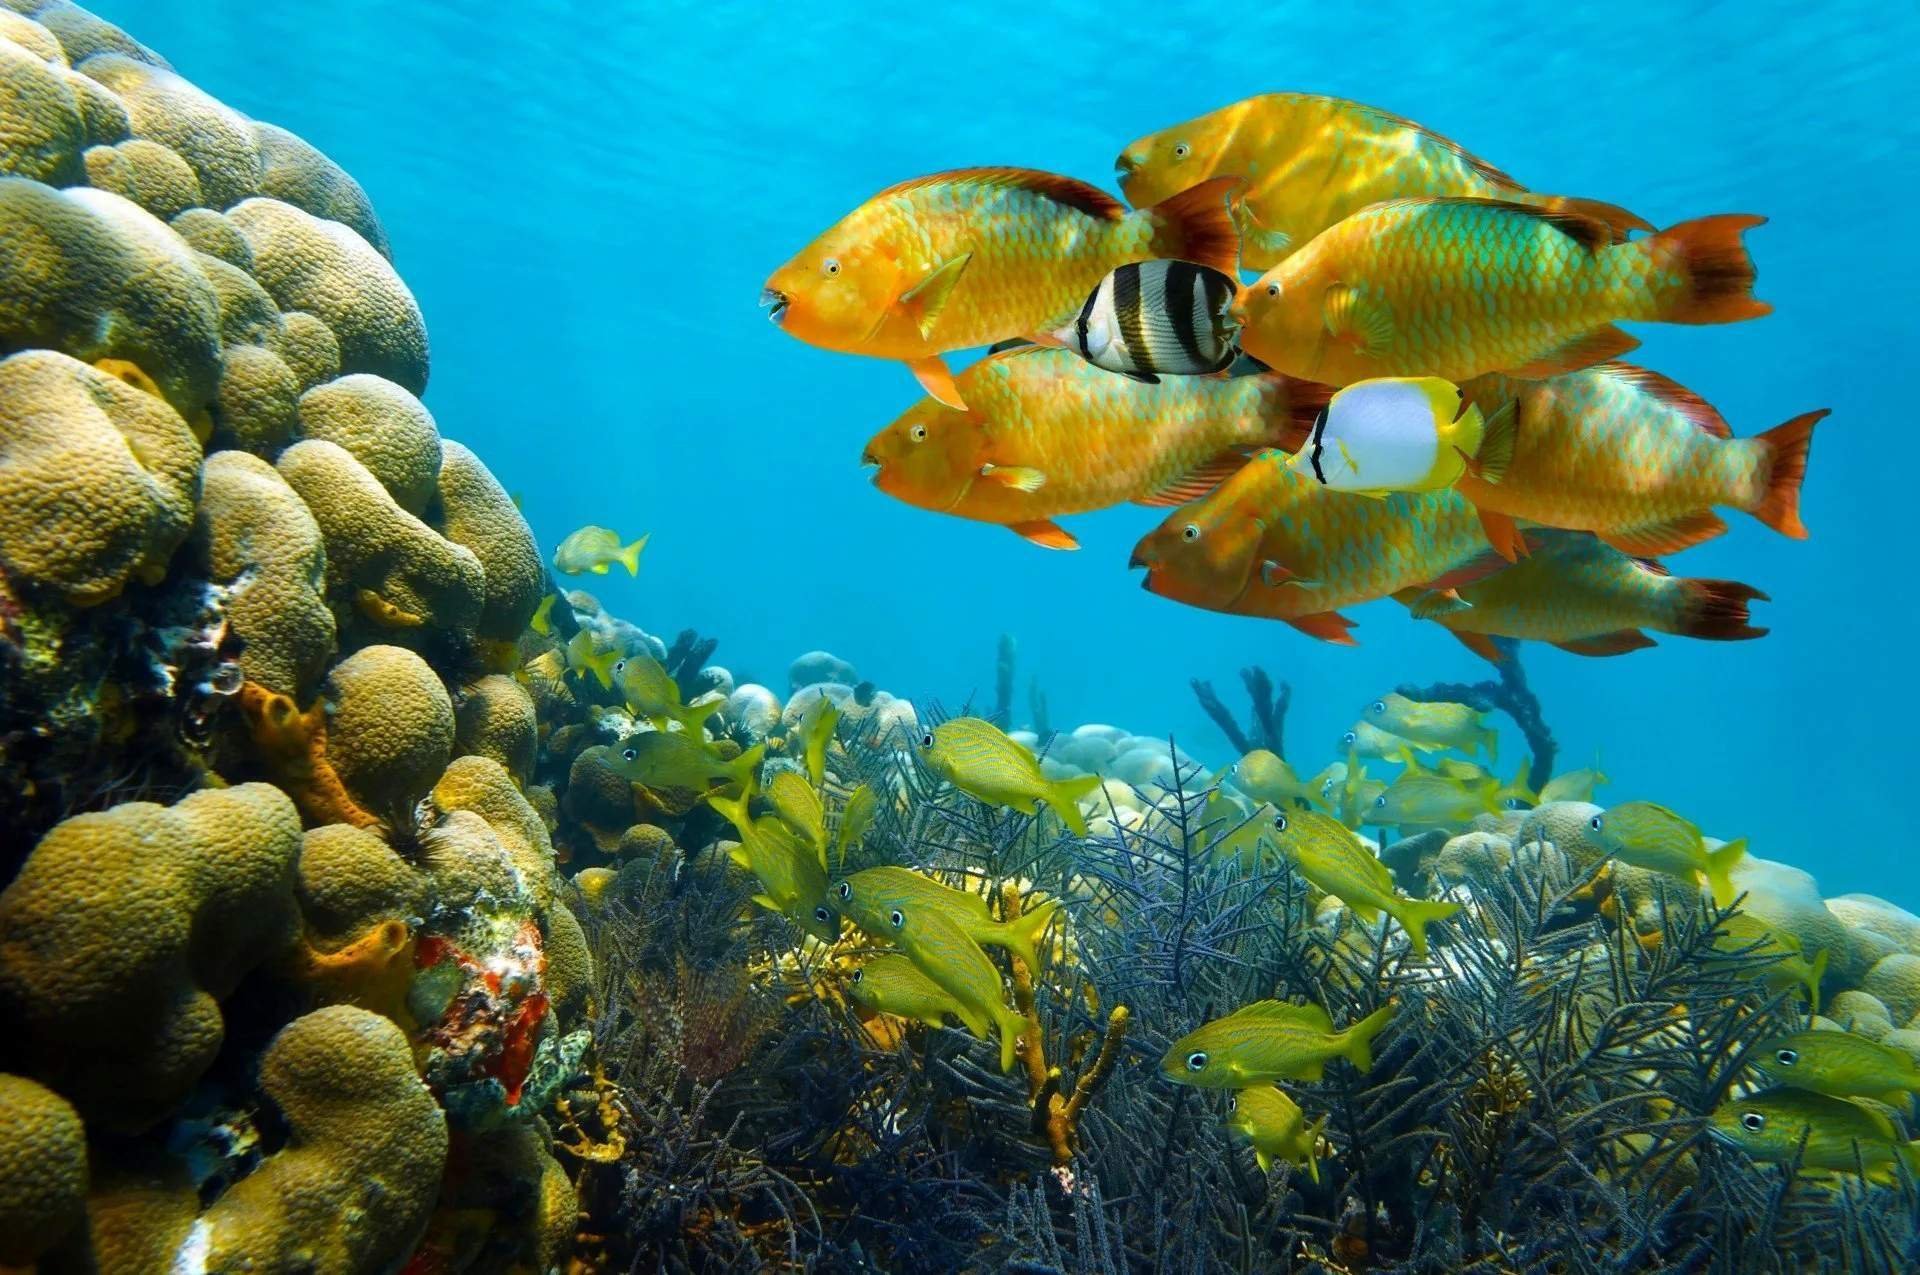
(1248, 838)
(893, 984)
(542, 622)
(938, 943)
(816, 732)
(1265, 776)
(1744, 935)
(855, 818)
(585, 655)
(982, 761)
(873, 897)
(595, 549)
(651, 692)
(674, 759)
(1422, 800)
(798, 804)
(792, 881)
(1401, 433)
(1276, 1127)
(1369, 741)
(1840, 1065)
(1269, 1040)
(1336, 861)
(1575, 785)
(1655, 838)
(1439, 724)
(1820, 1132)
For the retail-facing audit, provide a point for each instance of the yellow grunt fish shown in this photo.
(1420, 800)
(1574, 785)
(798, 804)
(816, 732)
(855, 818)
(595, 549)
(792, 881)
(1840, 1065)
(978, 255)
(674, 759)
(1269, 1040)
(1046, 434)
(1437, 724)
(1742, 935)
(1336, 861)
(938, 944)
(982, 761)
(873, 896)
(1819, 1132)
(1457, 288)
(1265, 776)
(1309, 161)
(1655, 838)
(1276, 1127)
(650, 691)
(1371, 742)
(893, 984)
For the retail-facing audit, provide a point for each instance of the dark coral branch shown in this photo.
(1510, 695)
(1003, 670)
(686, 657)
(1267, 719)
(1210, 703)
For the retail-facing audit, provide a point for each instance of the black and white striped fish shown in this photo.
(1155, 317)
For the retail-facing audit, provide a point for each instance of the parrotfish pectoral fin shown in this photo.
(937, 379)
(1328, 626)
(1618, 642)
(1273, 575)
(1437, 602)
(1195, 483)
(1479, 643)
(1353, 318)
(1044, 532)
(1503, 533)
(1018, 477)
(923, 302)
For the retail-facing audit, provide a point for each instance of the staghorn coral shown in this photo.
(386, 429)
(43, 1170)
(122, 932)
(390, 726)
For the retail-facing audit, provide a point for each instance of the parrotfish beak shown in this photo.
(777, 300)
(1125, 165)
(1238, 311)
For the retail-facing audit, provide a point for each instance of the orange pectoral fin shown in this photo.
(1328, 626)
(1480, 644)
(1503, 533)
(937, 379)
(1045, 533)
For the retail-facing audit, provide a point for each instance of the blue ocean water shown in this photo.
(587, 198)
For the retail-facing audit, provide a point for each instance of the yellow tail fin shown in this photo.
(1719, 863)
(630, 556)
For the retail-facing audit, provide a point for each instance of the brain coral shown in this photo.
(43, 1170)
(387, 429)
(27, 34)
(42, 130)
(325, 269)
(258, 400)
(97, 479)
(391, 727)
(206, 231)
(214, 140)
(145, 172)
(255, 536)
(476, 511)
(496, 719)
(82, 34)
(91, 274)
(483, 786)
(309, 347)
(350, 879)
(295, 172)
(122, 932)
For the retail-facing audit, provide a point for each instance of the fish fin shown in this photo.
(1576, 353)
(1670, 535)
(766, 901)
(541, 621)
(1197, 225)
(1195, 483)
(1704, 416)
(1328, 626)
(1070, 191)
(1273, 575)
(1315, 1132)
(1020, 343)
(598, 568)
(1299, 405)
(739, 857)
(694, 718)
(1472, 571)
(1719, 863)
(1350, 317)
(1480, 644)
(1012, 1026)
(1717, 610)
(936, 378)
(1022, 935)
(1428, 604)
(1018, 477)
(1815, 976)
(1490, 736)
(733, 810)
(974, 1021)
(1619, 642)
(745, 770)
(1415, 914)
(1495, 456)
(1618, 220)
(924, 300)
(1262, 1159)
(1503, 533)
(1786, 447)
(1719, 273)
(630, 555)
(1357, 1041)
(1145, 378)
(1044, 532)
(1064, 796)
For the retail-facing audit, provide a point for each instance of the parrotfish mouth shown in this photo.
(778, 301)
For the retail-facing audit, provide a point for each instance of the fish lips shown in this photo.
(775, 302)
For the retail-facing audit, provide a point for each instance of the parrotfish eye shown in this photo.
(1190, 532)
(1349, 738)
(1380, 802)
(1753, 1121)
(896, 918)
(1279, 823)
(1594, 823)
(846, 891)
(1181, 150)
(823, 916)
(830, 267)
(629, 753)
(918, 433)
(1786, 1057)
(1273, 289)
(1197, 1060)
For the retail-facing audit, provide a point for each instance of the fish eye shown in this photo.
(1349, 738)
(629, 753)
(1594, 823)
(1181, 150)
(1279, 823)
(1233, 1102)
(821, 915)
(1786, 1057)
(918, 433)
(846, 891)
(1190, 532)
(1379, 706)
(896, 918)
(1380, 802)
(926, 740)
(830, 267)
(858, 975)
(1273, 289)
(619, 666)
(1197, 1060)
(1753, 1122)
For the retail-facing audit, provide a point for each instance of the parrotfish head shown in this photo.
(835, 293)
(1161, 165)
(1200, 556)
(929, 457)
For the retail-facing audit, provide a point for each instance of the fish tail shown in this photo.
(974, 1021)
(1357, 1040)
(1197, 225)
(630, 556)
(1785, 448)
(733, 810)
(1290, 410)
(1064, 796)
(1719, 863)
(1314, 1132)
(1717, 610)
(694, 716)
(746, 769)
(1490, 736)
(1816, 974)
(1414, 916)
(1012, 1026)
(1618, 220)
(1023, 934)
(1716, 273)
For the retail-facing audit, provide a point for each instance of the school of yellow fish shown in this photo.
(1427, 405)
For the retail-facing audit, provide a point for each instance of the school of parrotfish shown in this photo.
(1419, 399)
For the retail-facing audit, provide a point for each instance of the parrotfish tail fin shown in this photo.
(745, 769)
(1314, 1132)
(1023, 935)
(630, 556)
(1717, 610)
(1718, 273)
(1012, 1026)
(1357, 1040)
(1414, 916)
(694, 717)
(1197, 225)
(1617, 219)
(1293, 408)
(1719, 863)
(1816, 974)
(1786, 447)
(1065, 796)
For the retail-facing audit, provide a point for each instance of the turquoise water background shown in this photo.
(587, 198)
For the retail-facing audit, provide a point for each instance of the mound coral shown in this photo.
(390, 728)
(43, 1170)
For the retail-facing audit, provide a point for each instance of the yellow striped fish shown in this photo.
(1336, 861)
(939, 946)
(1269, 1040)
(874, 895)
(982, 761)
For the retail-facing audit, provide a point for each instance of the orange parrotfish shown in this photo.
(1046, 433)
(1457, 288)
(1272, 542)
(1309, 161)
(1634, 458)
(979, 255)
(1587, 597)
